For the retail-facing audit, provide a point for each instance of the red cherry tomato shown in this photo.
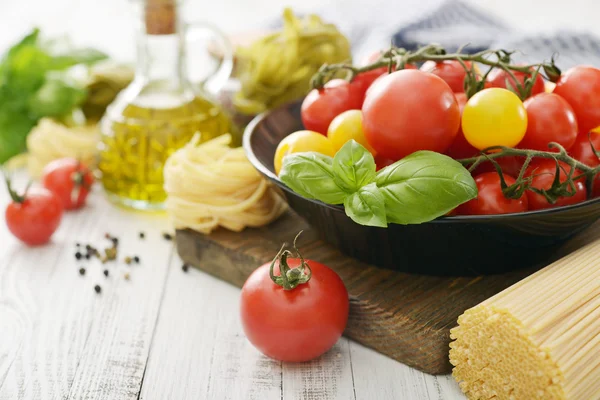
(321, 106)
(582, 151)
(460, 148)
(549, 119)
(69, 180)
(510, 165)
(580, 87)
(501, 79)
(382, 162)
(364, 80)
(490, 199)
(543, 172)
(298, 324)
(410, 110)
(33, 217)
(451, 71)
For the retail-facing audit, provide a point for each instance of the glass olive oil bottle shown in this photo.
(156, 114)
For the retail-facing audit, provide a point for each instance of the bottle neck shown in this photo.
(161, 58)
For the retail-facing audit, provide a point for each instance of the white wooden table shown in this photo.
(165, 334)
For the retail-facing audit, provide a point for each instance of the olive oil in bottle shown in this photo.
(157, 114)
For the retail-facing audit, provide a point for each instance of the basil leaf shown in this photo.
(367, 206)
(86, 56)
(353, 166)
(424, 186)
(311, 175)
(55, 98)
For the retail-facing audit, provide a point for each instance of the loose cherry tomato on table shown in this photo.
(494, 117)
(582, 151)
(451, 71)
(580, 87)
(347, 126)
(298, 318)
(549, 119)
(69, 180)
(499, 78)
(321, 106)
(34, 216)
(460, 148)
(299, 142)
(410, 110)
(543, 172)
(490, 199)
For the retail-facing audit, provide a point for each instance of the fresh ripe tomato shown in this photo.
(364, 80)
(582, 151)
(494, 117)
(451, 71)
(298, 324)
(580, 87)
(490, 199)
(347, 126)
(68, 179)
(549, 119)
(460, 148)
(382, 162)
(543, 172)
(410, 110)
(34, 216)
(499, 78)
(299, 142)
(510, 165)
(321, 106)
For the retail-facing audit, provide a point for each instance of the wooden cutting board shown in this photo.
(406, 317)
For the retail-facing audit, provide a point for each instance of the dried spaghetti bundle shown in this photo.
(211, 185)
(538, 339)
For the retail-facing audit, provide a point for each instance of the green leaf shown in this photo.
(367, 206)
(86, 56)
(13, 133)
(353, 166)
(55, 98)
(424, 186)
(311, 175)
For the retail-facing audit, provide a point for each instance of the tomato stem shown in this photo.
(522, 183)
(400, 57)
(17, 198)
(290, 278)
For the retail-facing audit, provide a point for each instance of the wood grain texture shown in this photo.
(407, 317)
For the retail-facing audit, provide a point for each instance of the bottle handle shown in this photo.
(221, 74)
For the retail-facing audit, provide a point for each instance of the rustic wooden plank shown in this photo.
(328, 377)
(199, 350)
(407, 317)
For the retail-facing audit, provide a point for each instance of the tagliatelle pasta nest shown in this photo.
(210, 185)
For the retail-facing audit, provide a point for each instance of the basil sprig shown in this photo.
(419, 188)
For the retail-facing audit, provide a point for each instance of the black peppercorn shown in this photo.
(97, 288)
(115, 241)
(185, 267)
(88, 256)
(78, 255)
(106, 272)
(136, 259)
(81, 271)
(167, 236)
(142, 235)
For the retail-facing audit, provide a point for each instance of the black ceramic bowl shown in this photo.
(460, 245)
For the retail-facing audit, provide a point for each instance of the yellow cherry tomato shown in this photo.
(346, 126)
(299, 142)
(494, 117)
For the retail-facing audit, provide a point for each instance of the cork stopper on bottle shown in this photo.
(161, 17)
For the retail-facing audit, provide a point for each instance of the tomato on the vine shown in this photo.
(69, 180)
(299, 142)
(460, 148)
(364, 80)
(490, 199)
(510, 165)
(451, 71)
(549, 119)
(321, 106)
(580, 87)
(582, 151)
(499, 78)
(494, 117)
(347, 126)
(34, 216)
(410, 110)
(297, 319)
(543, 172)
